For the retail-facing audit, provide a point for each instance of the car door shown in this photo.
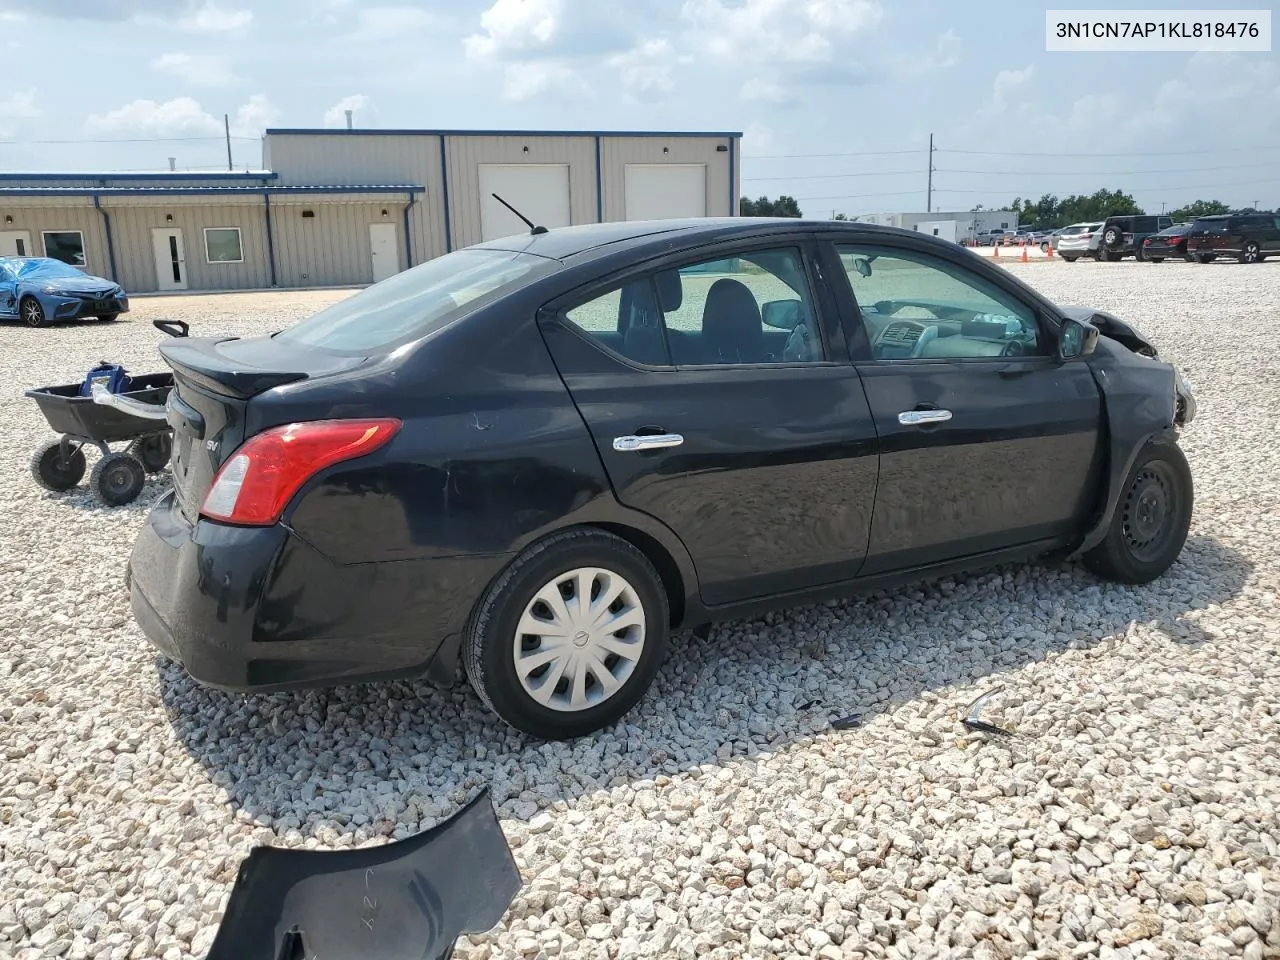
(986, 441)
(8, 291)
(707, 384)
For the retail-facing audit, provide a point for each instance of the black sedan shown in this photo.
(538, 456)
(1168, 243)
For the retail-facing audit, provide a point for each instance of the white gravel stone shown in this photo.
(1137, 818)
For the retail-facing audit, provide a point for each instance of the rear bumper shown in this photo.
(256, 609)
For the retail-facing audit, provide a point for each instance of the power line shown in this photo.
(1200, 186)
(1104, 173)
(837, 176)
(828, 156)
(1135, 153)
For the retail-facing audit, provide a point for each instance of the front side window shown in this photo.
(222, 245)
(919, 307)
(418, 301)
(65, 245)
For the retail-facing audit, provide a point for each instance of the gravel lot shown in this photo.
(1136, 818)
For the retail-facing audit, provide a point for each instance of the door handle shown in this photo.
(655, 441)
(912, 418)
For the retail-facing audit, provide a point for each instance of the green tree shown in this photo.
(1201, 208)
(784, 206)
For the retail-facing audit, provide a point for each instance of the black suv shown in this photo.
(1123, 236)
(1250, 237)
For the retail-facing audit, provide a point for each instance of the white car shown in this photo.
(1080, 240)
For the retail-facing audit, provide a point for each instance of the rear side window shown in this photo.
(418, 301)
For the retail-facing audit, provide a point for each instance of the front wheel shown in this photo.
(117, 479)
(1155, 259)
(1204, 257)
(1251, 253)
(55, 472)
(1067, 258)
(32, 313)
(1149, 527)
(568, 638)
(107, 317)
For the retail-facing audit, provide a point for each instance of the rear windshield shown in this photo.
(1215, 225)
(416, 302)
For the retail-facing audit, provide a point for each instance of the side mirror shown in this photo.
(782, 314)
(1076, 339)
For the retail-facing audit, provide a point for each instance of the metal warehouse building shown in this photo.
(349, 207)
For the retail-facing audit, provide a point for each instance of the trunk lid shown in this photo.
(215, 381)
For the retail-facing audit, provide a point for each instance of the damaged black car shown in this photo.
(532, 459)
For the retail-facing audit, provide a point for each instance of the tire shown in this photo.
(1112, 238)
(153, 451)
(107, 317)
(1154, 259)
(32, 313)
(1066, 258)
(117, 479)
(1251, 252)
(1204, 257)
(52, 472)
(493, 641)
(1151, 521)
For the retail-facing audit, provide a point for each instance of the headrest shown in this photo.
(670, 291)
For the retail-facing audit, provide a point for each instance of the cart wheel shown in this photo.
(153, 451)
(53, 472)
(117, 479)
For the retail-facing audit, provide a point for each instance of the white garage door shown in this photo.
(538, 190)
(655, 191)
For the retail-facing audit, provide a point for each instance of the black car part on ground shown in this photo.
(404, 900)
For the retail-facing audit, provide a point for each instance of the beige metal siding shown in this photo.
(131, 228)
(370, 159)
(465, 154)
(619, 151)
(332, 248)
(61, 214)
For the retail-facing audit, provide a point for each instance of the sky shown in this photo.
(836, 98)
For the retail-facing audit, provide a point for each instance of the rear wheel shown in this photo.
(53, 471)
(1204, 257)
(568, 638)
(1067, 258)
(1151, 521)
(31, 312)
(1251, 253)
(117, 479)
(153, 451)
(1155, 259)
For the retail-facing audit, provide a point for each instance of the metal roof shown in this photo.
(160, 175)
(208, 191)
(370, 132)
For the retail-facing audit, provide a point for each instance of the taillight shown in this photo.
(254, 486)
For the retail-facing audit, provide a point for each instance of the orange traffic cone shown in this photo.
(1024, 252)
(995, 246)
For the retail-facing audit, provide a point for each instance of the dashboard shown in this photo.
(945, 331)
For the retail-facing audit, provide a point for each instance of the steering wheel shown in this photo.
(1012, 349)
(927, 336)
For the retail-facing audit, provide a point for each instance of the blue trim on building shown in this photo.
(733, 190)
(167, 175)
(599, 184)
(312, 132)
(202, 191)
(271, 243)
(444, 197)
(111, 246)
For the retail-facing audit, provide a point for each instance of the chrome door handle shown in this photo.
(654, 441)
(911, 418)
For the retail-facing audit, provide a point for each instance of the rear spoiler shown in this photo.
(406, 899)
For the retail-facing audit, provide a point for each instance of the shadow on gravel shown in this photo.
(365, 760)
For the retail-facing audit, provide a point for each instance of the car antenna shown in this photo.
(532, 229)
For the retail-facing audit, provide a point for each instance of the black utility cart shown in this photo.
(136, 415)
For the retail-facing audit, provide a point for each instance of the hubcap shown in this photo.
(1251, 252)
(1149, 509)
(579, 639)
(33, 312)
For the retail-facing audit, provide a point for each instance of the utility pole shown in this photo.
(226, 126)
(1162, 205)
(928, 203)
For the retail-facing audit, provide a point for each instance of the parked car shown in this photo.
(539, 455)
(40, 291)
(1169, 242)
(1079, 240)
(1122, 236)
(1249, 237)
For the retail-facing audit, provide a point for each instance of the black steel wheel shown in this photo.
(117, 479)
(1251, 253)
(1151, 520)
(152, 451)
(31, 312)
(55, 472)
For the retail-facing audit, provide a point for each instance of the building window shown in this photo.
(65, 245)
(222, 245)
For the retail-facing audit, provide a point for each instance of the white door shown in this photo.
(386, 255)
(15, 243)
(538, 190)
(171, 262)
(656, 191)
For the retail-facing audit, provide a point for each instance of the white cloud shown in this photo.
(182, 116)
(336, 115)
(211, 18)
(20, 105)
(515, 26)
(523, 81)
(647, 67)
(765, 91)
(777, 31)
(1007, 86)
(386, 23)
(210, 70)
(758, 139)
